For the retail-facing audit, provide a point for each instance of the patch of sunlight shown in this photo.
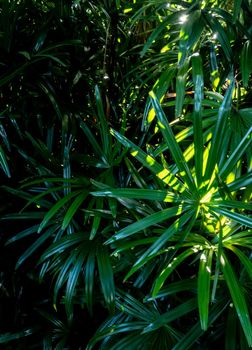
(179, 56)
(183, 35)
(161, 125)
(214, 73)
(38, 206)
(223, 222)
(169, 198)
(118, 40)
(227, 229)
(150, 160)
(183, 19)
(189, 152)
(205, 159)
(230, 178)
(173, 182)
(151, 93)
(165, 49)
(151, 115)
(127, 10)
(197, 248)
(134, 153)
(182, 134)
(209, 227)
(222, 261)
(208, 269)
(203, 257)
(243, 91)
(216, 83)
(198, 210)
(180, 209)
(209, 136)
(207, 197)
(213, 176)
(156, 129)
(163, 174)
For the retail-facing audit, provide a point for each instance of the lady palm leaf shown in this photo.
(169, 269)
(217, 139)
(173, 145)
(196, 331)
(237, 297)
(204, 286)
(3, 162)
(197, 116)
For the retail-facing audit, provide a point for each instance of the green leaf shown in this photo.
(105, 135)
(139, 180)
(196, 331)
(177, 260)
(153, 195)
(160, 88)
(7, 337)
(73, 209)
(22, 234)
(171, 315)
(126, 303)
(198, 80)
(63, 275)
(117, 329)
(97, 219)
(72, 281)
(237, 154)
(90, 137)
(237, 9)
(189, 34)
(150, 163)
(231, 204)
(47, 89)
(63, 244)
(246, 63)
(59, 205)
(180, 88)
(204, 286)
(106, 278)
(89, 280)
(147, 222)
(3, 163)
(173, 18)
(219, 131)
(175, 287)
(241, 219)
(222, 37)
(246, 262)
(237, 297)
(41, 239)
(177, 226)
(230, 331)
(173, 145)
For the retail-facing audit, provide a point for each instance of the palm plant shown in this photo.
(205, 215)
(152, 228)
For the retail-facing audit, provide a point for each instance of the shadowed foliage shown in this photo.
(125, 162)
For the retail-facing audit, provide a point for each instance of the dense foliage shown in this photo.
(126, 163)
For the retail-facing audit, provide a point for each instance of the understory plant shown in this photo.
(130, 220)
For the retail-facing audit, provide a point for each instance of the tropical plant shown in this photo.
(126, 154)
